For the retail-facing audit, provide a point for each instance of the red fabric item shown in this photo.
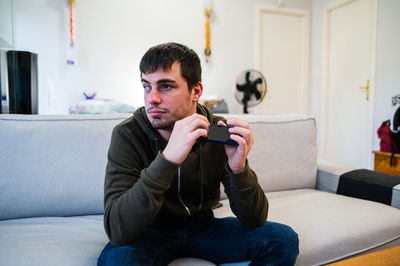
(387, 143)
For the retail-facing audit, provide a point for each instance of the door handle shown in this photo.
(367, 89)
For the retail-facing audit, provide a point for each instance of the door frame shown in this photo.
(304, 14)
(325, 73)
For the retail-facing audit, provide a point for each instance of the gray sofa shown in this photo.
(52, 175)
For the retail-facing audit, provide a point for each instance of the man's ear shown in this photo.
(197, 90)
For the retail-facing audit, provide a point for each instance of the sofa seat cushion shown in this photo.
(52, 241)
(67, 241)
(330, 226)
(201, 262)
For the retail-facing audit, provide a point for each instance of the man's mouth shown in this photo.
(156, 111)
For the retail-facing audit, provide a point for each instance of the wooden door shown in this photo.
(350, 37)
(282, 55)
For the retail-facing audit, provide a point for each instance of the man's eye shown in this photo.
(146, 88)
(165, 87)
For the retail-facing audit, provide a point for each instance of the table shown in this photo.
(387, 257)
(382, 163)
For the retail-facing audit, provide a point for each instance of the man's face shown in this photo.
(167, 97)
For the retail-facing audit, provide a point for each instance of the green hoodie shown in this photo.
(142, 187)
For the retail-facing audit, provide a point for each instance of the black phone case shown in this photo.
(219, 134)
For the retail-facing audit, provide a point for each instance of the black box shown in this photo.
(22, 82)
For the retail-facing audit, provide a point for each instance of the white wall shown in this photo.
(112, 36)
(387, 63)
(317, 24)
(6, 30)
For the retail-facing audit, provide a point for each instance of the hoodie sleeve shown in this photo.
(246, 198)
(133, 195)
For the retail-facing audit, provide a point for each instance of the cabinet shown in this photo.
(382, 163)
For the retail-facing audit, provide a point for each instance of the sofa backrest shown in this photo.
(284, 155)
(53, 165)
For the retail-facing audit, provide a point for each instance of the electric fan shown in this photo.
(250, 88)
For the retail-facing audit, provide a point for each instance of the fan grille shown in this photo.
(250, 88)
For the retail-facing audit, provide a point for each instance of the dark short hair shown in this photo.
(166, 54)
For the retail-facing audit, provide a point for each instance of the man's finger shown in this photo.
(221, 123)
(236, 122)
(243, 132)
(198, 123)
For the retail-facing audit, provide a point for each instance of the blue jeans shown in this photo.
(218, 240)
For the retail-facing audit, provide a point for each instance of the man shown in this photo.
(161, 182)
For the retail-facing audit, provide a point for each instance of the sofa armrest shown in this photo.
(396, 197)
(359, 183)
(328, 175)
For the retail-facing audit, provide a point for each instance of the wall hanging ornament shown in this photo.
(207, 15)
(71, 52)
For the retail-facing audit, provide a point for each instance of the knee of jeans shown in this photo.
(287, 242)
(280, 245)
(293, 239)
(287, 238)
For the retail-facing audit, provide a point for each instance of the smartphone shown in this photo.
(219, 134)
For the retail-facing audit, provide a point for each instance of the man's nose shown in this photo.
(155, 96)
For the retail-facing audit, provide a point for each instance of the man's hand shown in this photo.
(242, 134)
(184, 135)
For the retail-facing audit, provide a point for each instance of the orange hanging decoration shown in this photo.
(71, 4)
(71, 49)
(207, 50)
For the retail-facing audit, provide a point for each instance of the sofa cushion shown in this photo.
(53, 165)
(69, 241)
(201, 262)
(330, 226)
(284, 155)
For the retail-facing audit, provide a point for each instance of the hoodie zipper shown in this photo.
(201, 186)
(145, 124)
(179, 192)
